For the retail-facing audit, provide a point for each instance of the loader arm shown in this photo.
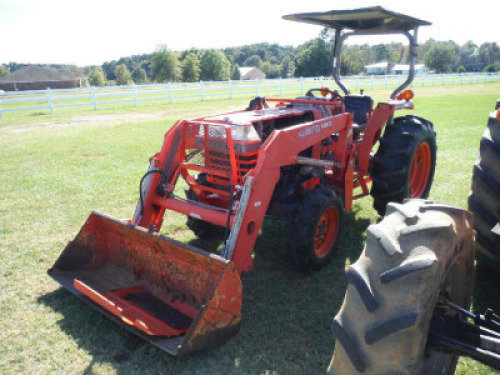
(280, 149)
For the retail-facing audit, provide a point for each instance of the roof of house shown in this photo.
(33, 73)
(383, 64)
(407, 67)
(247, 69)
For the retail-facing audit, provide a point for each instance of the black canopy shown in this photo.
(369, 20)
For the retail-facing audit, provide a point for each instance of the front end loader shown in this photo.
(304, 159)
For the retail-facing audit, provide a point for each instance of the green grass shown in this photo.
(56, 169)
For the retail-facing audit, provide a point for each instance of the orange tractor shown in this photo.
(305, 159)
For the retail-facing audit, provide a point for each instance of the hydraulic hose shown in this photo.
(151, 171)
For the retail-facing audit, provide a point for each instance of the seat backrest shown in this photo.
(359, 105)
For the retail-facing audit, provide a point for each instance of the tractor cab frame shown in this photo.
(365, 21)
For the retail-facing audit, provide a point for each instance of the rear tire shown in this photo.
(404, 164)
(418, 251)
(315, 228)
(484, 199)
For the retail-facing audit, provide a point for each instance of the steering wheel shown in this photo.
(334, 94)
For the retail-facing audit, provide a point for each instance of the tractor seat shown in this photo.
(359, 106)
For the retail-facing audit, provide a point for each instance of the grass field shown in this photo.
(56, 169)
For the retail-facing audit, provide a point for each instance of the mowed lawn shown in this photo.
(55, 170)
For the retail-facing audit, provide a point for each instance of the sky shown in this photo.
(90, 32)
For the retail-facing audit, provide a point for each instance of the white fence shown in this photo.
(96, 97)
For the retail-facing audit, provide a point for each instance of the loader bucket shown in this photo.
(175, 296)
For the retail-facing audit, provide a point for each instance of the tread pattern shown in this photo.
(350, 346)
(303, 227)
(417, 264)
(361, 282)
(391, 294)
(409, 212)
(389, 246)
(383, 329)
(392, 162)
(484, 198)
(425, 226)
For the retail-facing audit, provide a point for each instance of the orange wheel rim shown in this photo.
(326, 232)
(420, 170)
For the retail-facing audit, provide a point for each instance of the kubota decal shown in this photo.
(315, 129)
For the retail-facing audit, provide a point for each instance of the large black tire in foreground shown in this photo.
(404, 164)
(419, 251)
(315, 228)
(484, 199)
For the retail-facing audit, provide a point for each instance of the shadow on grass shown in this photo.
(101, 338)
(286, 317)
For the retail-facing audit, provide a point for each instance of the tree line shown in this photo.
(310, 59)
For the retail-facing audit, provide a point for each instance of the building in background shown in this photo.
(251, 72)
(384, 67)
(33, 77)
(380, 68)
(405, 69)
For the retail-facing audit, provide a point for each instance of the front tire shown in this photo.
(404, 164)
(315, 228)
(419, 251)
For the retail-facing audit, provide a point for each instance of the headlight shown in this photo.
(240, 133)
(214, 131)
(244, 133)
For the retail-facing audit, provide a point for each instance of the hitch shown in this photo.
(453, 333)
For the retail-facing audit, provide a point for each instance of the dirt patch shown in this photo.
(116, 117)
(92, 155)
(80, 120)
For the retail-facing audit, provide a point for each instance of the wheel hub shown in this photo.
(420, 170)
(326, 232)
